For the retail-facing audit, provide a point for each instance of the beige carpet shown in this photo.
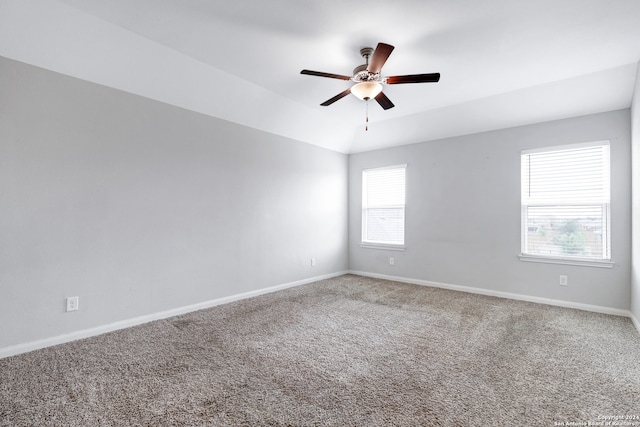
(349, 351)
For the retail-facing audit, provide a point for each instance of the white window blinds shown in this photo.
(383, 205)
(565, 201)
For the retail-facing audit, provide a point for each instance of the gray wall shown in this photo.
(635, 138)
(138, 207)
(463, 213)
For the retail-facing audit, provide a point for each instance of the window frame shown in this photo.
(605, 262)
(379, 244)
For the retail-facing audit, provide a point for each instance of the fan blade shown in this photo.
(380, 56)
(321, 74)
(337, 97)
(413, 78)
(384, 101)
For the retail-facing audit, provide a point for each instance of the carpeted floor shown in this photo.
(349, 351)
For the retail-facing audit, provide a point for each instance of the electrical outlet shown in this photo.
(392, 261)
(72, 303)
(564, 280)
(313, 262)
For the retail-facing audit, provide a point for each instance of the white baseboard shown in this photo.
(86, 333)
(520, 297)
(635, 321)
(99, 330)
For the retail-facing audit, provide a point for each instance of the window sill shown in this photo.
(568, 261)
(383, 246)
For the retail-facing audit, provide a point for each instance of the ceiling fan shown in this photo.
(368, 80)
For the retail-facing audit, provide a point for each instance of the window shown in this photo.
(383, 200)
(565, 202)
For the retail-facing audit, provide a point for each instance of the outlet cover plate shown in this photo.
(72, 303)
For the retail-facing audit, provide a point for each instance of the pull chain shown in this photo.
(366, 126)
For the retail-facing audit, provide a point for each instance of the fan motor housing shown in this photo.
(360, 74)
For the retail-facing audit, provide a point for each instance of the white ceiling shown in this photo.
(503, 62)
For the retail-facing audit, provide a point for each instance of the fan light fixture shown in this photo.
(366, 90)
